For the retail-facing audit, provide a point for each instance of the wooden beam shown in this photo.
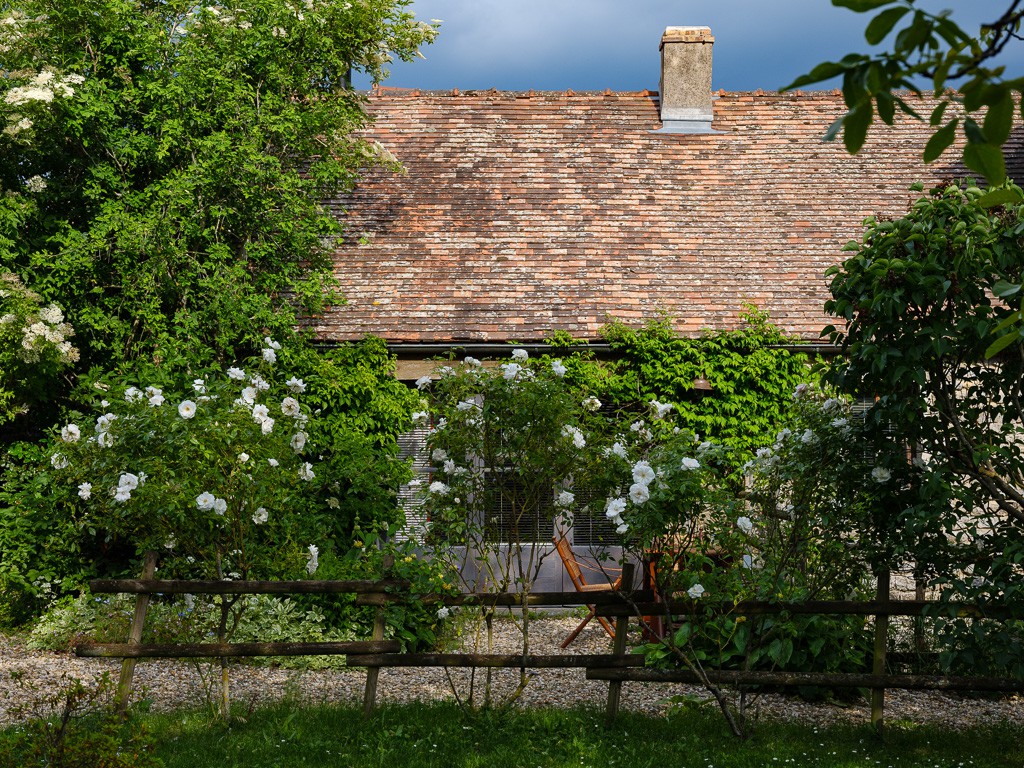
(931, 608)
(124, 682)
(516, 661)
(214, 650)
(831, 680)
(182, 587)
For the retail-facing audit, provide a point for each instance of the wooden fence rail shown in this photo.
(372, 654)
(615, 667)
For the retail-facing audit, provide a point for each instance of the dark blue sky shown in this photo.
(596, 44)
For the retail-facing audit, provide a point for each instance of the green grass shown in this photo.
(441, 735)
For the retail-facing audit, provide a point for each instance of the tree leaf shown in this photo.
(860, 6)
(940, 140)
(1002, 288)
(855, 127)
(913, 36)
(1001, 343)
(834, 129)
(824, 71)
(1007, 196)
(886, 104)
(974, 133)
(882, 24)
(986, 159)
(999, 118)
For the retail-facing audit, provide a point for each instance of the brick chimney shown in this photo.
(686, 80)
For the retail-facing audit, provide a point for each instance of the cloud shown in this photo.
(598, 44)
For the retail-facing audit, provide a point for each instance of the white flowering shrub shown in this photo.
(221, 479)
(506, 445)
(35, 346)
(659, 482)
(783, 529)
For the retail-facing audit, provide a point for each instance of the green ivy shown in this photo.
(751, 369)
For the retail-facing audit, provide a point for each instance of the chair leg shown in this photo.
(607, 626)
(576, 632)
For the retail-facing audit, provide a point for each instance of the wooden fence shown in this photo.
(615, 667)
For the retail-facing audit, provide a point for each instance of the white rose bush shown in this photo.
(783, 527)
(512, 438)
(219, 477)
(507, 446)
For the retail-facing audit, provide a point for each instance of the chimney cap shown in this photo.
(687, 35)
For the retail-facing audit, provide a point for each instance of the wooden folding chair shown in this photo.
(575, 569)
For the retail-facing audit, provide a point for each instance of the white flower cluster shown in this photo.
(187, 410)
(613, 510)
(44, 87)
(660, 410)
(17, 125)
(881, 475)
(511, 370)
(48, 330)
(565, 499)
(127, 483)
(206, 502)
(104, 438)
(578, 440)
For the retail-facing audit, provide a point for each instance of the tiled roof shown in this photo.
(524, 213)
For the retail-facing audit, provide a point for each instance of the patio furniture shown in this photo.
(577, 573)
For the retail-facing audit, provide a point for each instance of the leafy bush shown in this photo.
(782, 540)
(72, 729)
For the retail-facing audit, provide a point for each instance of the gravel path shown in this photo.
(171, 684)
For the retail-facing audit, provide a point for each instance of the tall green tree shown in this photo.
(915, 297)
(163, 163)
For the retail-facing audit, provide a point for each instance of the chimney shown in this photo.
(686, 80)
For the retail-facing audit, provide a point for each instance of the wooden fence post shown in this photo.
(878, 662)
(124, 683)
(619, 645)
(372, 673)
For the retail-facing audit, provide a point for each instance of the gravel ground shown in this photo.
(170, 684)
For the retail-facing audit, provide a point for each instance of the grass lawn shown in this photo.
(441, 735)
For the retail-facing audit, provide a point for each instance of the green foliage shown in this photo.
(42, 545)
(70, 729)
(222, 480)
(751, 370)
(34, 347)
(916, 297)
(41, 551)
(934, 47)
(917, 301)
(354, 384)
(507, 439)
(175, 156)
(796, 533)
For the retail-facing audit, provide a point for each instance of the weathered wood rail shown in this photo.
(372, 654)
(878, 680)
(615, 667)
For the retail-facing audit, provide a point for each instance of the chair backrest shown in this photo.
(569, 561)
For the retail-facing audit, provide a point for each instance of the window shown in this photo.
(591, 527)
(505, 519)
(412, 445)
